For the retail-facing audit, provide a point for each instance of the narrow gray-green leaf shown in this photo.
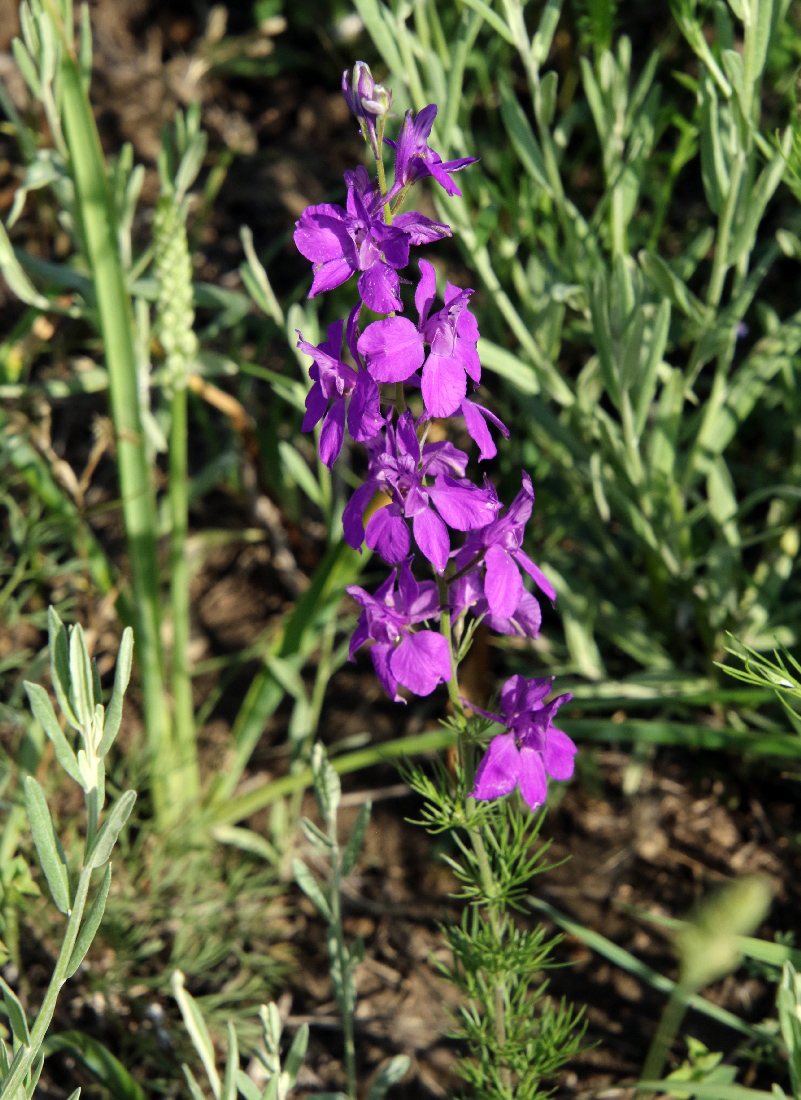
(60, 665)
(43, 711)
(122, 675)
(315, 835)
(248, 1088)
(310, 887)
(522, 136)
(18, 281)
(198, 1032)
(354, 845)
(81, 679)
(231, 1066)
(194, 1087)
(105, 840)
(44, 838)
(388, 1076)
(16, 1014)
(90, 924)
(297, 1052)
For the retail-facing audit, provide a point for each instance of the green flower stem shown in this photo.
(476, 839)
(672, 1015)
(23, 1059)
(346, 1006)
(97, 221)
(184, 782)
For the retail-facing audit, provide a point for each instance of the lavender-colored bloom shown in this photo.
(419, 660)
(401, 470)
(475, 418)
(499, 550)
(341, 241)
(394, 349)
(414, 159)
(367, 100)
(531, 751)
(340, 385)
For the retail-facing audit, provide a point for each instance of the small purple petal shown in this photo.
(421, 661)
(316, 404)
(464, 508)
(503, 585)
(444, 384)
(379, 289)
(533, 784)
(393, 348)
(381, 655)
(352, 522)
(558, 754)
(426, 290)
(431, 535)
(332, 433)
(330, 274)
(536, 574)
(364, 412)
(497, 772)
(388, 534)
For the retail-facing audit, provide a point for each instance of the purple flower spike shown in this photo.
(413, 157)
(468, 591)
(401, 470)
(394, 350)
(499, 547)
(336, 385)
(531, 751)
(419, 660)
(341, 241)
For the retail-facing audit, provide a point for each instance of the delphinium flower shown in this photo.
(341, 241)
(394, 349)
(496, 553)
(417, 659)
(531, 750)
(427, 494)
(403, 470)
(335, 386)
(414, 159)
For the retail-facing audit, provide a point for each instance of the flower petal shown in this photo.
(463, 507)
(421, 661)
(533, 784)
(393, 348)
(379, 288)
(332, 433)
(364, 412)
(381, 655)
(444, 384)
(559, 755)
(330, 274)
(431, 535)
(503, 585)
(352, 522)
(388, 534)
(498, 770)
(535, 573)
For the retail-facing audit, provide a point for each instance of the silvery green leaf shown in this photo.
(388, 1076)
(105, 840)
(4, 1059)
(522, 137)
(271, 1023)
(81, 679)
(546, 29)
(190, 165)
(90, 925)
(249, 1089)
(327, 788)
(310, 887)
(122, 675)
(549, 86)
(16, 1015)
(194, 1087)
(297, 469)
(43, 711)
(49, 51)
(16, 278)
(354, 845)
(256, 280)
(30, 35)
(198, 1033)
(35, 1073)
(85, 47)
(272, 1091)
(39, 173)
(27, 68)
(314, 835)
(714, 170)
(44, 837)
(297, 1052)
(75, 1095)
(231, 1066)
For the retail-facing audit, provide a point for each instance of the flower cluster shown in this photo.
(426, 502)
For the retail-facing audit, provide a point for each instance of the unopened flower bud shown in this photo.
(367, 100)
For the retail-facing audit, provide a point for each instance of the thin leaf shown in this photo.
(351, 851)
(105, 840)
(122, 675)
(198, 1032)
(43, 711)
(90, 924)
(95, 1057)
(297, 1052)
(311, 888)
(231, 1066)
(389, 1075)
(44, 838)
(16, 1014)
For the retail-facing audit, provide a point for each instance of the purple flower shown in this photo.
(414, 159)
(419, 660)
(367, 100)
(341, 241)
(394, 349)
(339, 384)
(499, 548)
(401, 470)
(475, 417)
(531, 751)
